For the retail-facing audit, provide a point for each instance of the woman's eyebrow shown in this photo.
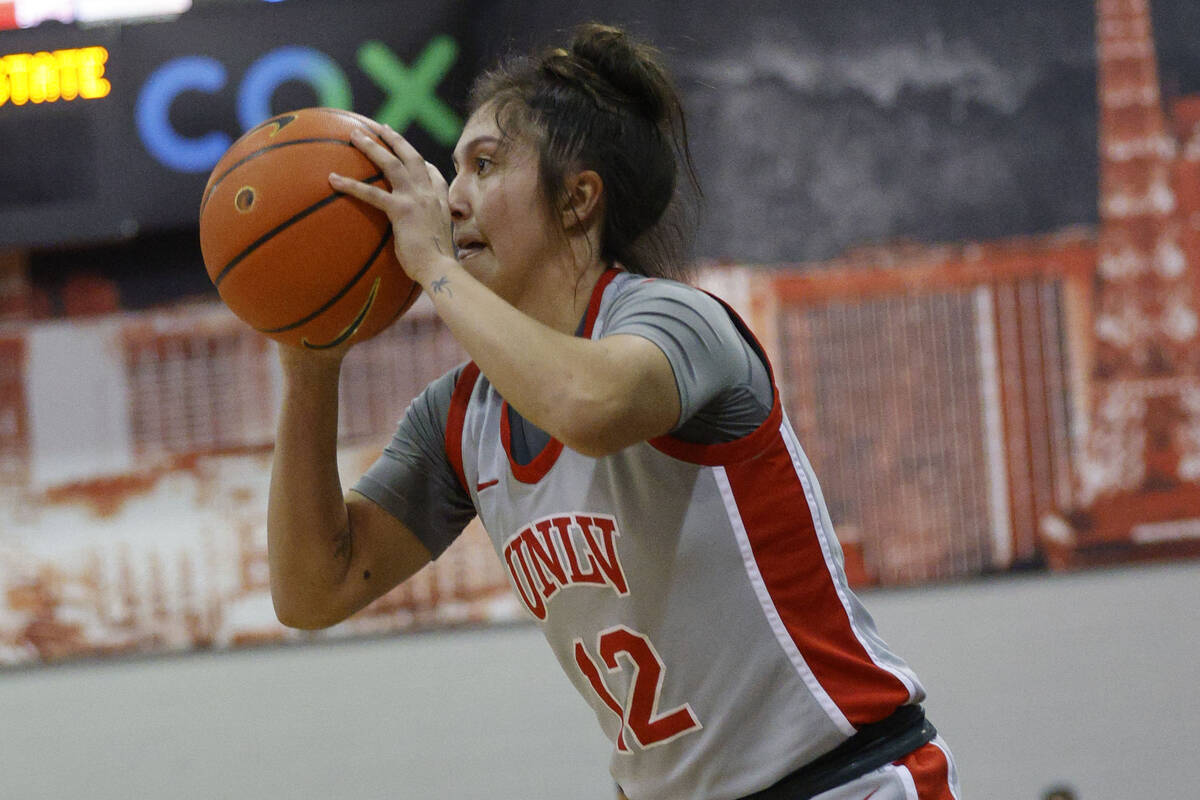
(471, 145)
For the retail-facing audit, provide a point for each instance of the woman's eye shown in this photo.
(482, 164)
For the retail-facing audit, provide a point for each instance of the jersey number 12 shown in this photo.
(639, 715)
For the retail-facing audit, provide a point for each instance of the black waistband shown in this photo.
(870, 748)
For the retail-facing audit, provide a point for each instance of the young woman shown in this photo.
(620, 436)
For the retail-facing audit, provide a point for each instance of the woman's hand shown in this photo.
(418, 204)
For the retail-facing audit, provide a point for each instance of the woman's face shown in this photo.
(503, 232)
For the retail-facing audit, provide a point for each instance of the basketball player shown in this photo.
(621, 438)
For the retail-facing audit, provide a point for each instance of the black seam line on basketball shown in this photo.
(263, 151)
(354, 325)
(260, 241)
(341, 292)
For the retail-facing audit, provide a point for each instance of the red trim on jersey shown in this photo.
(593, 309)
(712, 455)
(536, 469)
(748, 446)
(457, 417)
(930, 772)
(787, 551)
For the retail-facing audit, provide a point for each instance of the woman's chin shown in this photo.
(483, 269)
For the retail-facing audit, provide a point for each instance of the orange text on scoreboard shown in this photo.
(47, 77)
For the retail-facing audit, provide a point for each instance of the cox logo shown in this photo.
(410, 91)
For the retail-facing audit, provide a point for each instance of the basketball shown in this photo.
(296, 260)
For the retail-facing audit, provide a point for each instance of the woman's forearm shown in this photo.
(308, 535)
(584, 392)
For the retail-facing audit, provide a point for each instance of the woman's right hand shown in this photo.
(417, 202)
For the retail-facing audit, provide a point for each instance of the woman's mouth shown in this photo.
(466, 248)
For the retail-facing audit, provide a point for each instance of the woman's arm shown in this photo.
(329, 555)
(595, 396)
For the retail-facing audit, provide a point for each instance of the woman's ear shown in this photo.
(582, 200)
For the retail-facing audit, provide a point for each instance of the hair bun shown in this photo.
(630, 67)
(606, 104)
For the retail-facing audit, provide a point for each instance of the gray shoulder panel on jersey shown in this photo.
(724, 387)
(413, 479)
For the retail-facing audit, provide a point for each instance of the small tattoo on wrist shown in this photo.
(442, 285)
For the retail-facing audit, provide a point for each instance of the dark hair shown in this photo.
(606, 104)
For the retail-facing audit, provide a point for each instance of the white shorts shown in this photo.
(927, 773)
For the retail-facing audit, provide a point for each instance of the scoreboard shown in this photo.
(69, 74)
(109, 131)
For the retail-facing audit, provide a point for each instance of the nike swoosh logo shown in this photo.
(479, 487)
(279, 123)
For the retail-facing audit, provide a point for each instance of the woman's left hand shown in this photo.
(418, 204)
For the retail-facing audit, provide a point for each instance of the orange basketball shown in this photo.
(298, 261)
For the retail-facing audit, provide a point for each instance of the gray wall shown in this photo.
(1090, 677)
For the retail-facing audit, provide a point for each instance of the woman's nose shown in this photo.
(460, 209)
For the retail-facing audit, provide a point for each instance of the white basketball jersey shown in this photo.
(694, 594)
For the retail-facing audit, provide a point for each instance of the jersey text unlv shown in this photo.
(564, 550)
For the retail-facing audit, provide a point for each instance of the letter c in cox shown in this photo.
(153, 114)
(205, 74)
